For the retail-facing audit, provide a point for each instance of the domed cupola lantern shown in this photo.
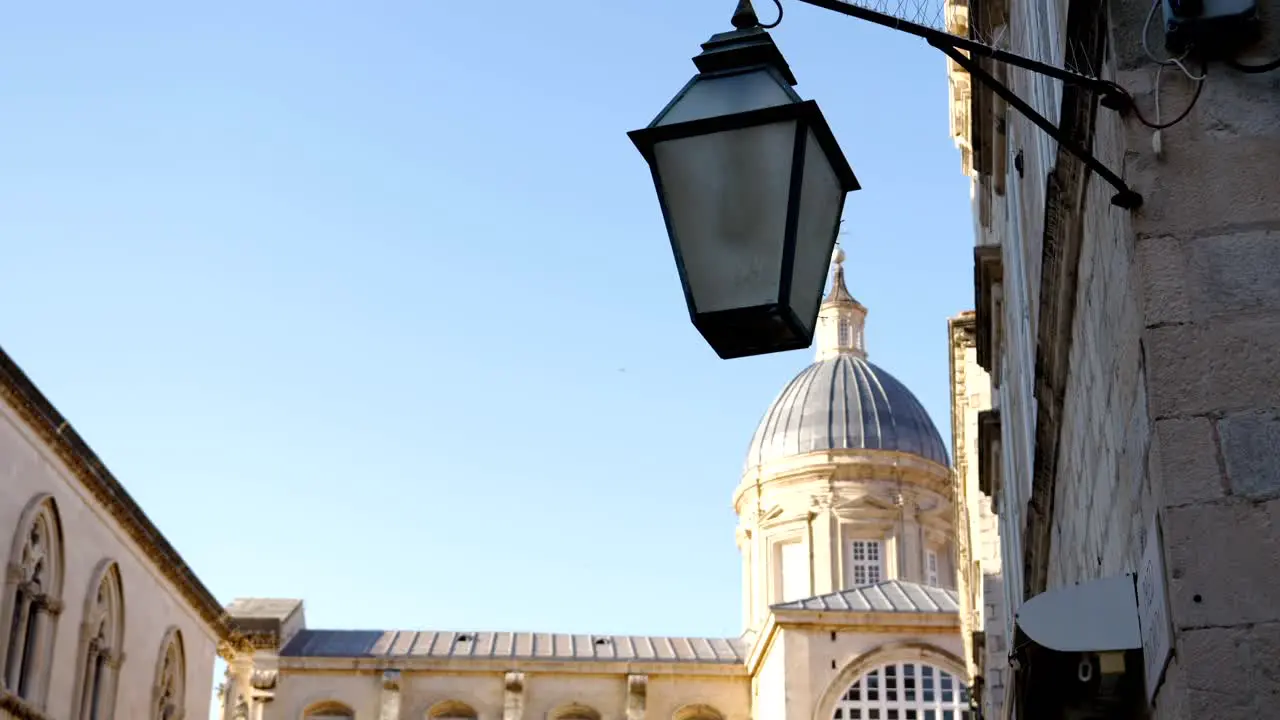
(843, 401)
(752, 185)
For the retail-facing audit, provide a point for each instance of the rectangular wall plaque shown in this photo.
(1153, 609)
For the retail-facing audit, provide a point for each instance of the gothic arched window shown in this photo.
(100, 647)
(905, 691)
(32, 599)
(171, 679)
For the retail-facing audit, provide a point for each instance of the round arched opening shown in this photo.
(905, 691)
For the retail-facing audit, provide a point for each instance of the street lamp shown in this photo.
(752, 185)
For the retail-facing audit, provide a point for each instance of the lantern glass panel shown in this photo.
(821, 202)
(726, 195)
(727, 95)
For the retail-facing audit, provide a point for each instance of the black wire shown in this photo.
(1254, 69)
(1204, 73)
(775, 23)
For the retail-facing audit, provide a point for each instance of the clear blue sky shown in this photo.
(343, 291)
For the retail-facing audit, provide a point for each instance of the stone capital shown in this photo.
(391, 680)
(514, 682)
(637, 695)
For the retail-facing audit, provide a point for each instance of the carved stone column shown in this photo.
(240, 668)
(513, 696)
(743, 536)
(390, 706)
(263, 683)
(762, 569)
(912, 542)
(827, 574)
(637, 692)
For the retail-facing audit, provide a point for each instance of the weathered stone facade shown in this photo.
(99, 616)
(977, 525)
(1156, 339)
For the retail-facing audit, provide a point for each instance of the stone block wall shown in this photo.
(1172, 400)
(1208, 252)
(1101, 493)
(997, 651)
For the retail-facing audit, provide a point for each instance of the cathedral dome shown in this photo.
(843, 402)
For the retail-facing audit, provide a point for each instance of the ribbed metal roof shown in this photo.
(511, 645)
(845, 402)
(899, 596)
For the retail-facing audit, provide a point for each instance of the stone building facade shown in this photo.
(978, 526)
(1134, 354)
(99, 616)
(851, 592)
(858, 543)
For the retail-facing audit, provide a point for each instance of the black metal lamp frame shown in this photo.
(1112, 95)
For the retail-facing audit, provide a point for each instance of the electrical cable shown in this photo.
(1157, 125)
(1161, 64)
(1146, 30)
(1254, 69)
(777, 22)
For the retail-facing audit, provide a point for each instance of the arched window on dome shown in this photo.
(845, 337)
(905, 691)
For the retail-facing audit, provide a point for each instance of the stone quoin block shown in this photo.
(1203, 188)
(1189, 469)
(1238, 273)
(1264, 654)
(1228, 365)
(1222, 560)
(1162, 266)
(1251, 451)
(1221, 659)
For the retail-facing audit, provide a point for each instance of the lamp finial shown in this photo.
(744, 18)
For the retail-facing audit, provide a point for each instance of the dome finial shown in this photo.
(839, 291)
(840, 317)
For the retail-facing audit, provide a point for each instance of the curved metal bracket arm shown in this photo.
(1125, 196)
(1113, 96)
(956, 47)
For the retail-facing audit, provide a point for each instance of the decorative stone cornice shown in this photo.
(234, 647)
(836, 467)
(35, 410)
(260, 639)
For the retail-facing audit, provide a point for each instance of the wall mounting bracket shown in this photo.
(954, 46)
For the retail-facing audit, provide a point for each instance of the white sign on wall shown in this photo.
(1153, 609)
